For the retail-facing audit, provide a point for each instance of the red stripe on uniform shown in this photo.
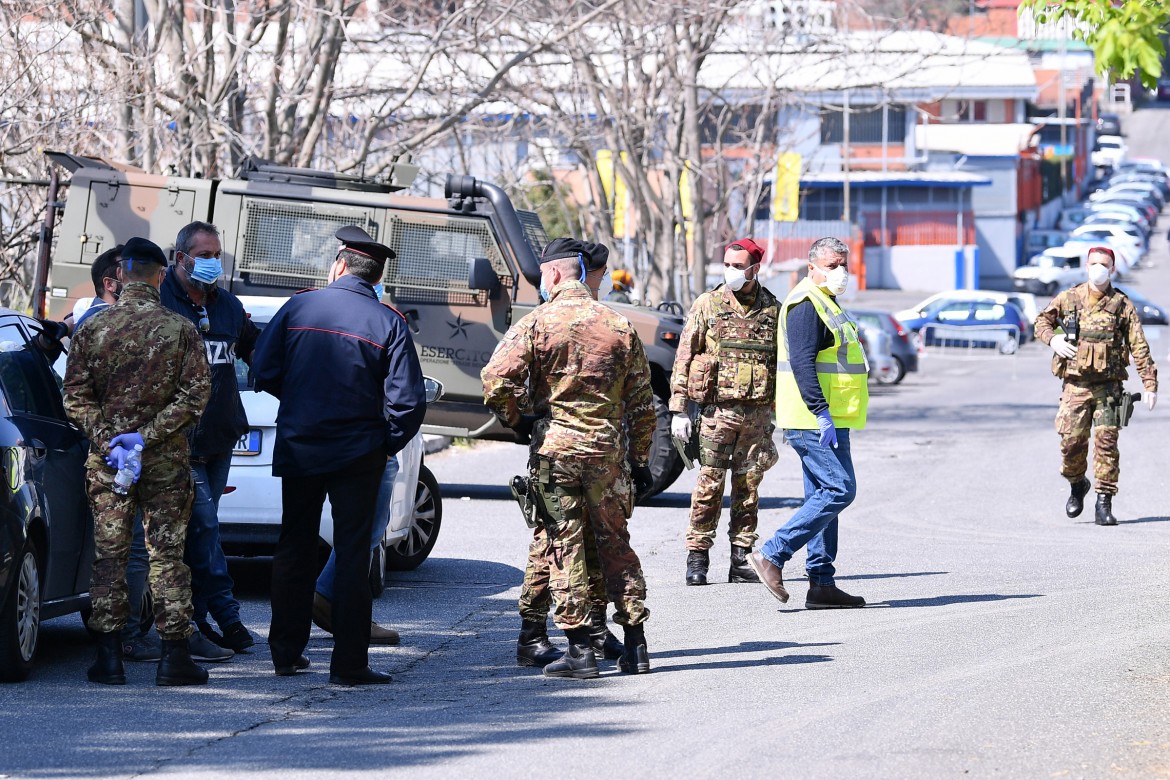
(343, 333)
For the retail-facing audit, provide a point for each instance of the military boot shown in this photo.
(697, 563)
(740, 571)
(605, 644)
(176, 666)
(578, 662)
(636, 659)
(1105, 510)
(1076, 500)
(534, 648)
(108, 668)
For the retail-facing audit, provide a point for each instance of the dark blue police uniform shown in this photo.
(351, 394)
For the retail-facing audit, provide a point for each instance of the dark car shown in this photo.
(46, 531)
(972, 323)
(1109, 124)
(1149, 312)
(901, 344)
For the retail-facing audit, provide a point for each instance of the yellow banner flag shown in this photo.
(617, 194)
(686, 202)
(786, 187)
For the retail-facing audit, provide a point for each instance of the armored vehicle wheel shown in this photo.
(665, 462)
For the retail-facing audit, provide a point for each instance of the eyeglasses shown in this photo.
(204, 322)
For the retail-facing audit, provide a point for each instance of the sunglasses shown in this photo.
(204, 322)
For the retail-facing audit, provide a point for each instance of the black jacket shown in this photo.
(347, 375)
(232, 334)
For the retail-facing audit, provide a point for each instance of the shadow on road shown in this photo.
(683, 501)
(1145, 520)
(891, 575)
(742, 647)
(943, 601)
(776, 660)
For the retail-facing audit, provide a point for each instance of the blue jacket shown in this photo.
(231, 334)
(345, 370)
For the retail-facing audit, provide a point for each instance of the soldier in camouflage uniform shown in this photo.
(726, 365)
(582, 365)
(1101, 331)
(137, 374)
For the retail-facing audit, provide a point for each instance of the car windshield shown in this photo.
(1048, 261)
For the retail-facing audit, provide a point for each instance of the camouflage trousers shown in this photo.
(1082, 409)
(163, 495)
(605, 502)
(743, 438)
(535, 593)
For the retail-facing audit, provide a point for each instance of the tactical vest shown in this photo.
(746, 352)
(1102, 354)
(842, 370)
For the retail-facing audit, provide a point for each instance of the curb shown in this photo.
(433, 443)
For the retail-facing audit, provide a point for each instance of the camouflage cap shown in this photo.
(142, 250)
(360, 241)
(593, 255)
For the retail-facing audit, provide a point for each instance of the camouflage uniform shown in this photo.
(726, 363)
(139, 367)
(1110, 332)
(587, 371)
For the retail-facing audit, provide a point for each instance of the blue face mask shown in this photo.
(207, 270)
(543, 291)
(378, 290)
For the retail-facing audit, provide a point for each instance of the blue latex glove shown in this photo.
(828, 430)
(127, 441)
(117, 457)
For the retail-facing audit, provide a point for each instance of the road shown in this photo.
(1002, 639)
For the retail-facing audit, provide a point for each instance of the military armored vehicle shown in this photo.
(466, 265)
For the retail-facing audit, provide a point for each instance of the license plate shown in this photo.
(248, 444)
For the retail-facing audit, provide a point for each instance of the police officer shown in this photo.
(190, 290)
(582, 365)
(137, 375)
(1101, 331)
(821, 393)
(351, 394)
(726, 365)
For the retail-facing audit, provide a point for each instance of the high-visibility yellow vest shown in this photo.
(841, 369)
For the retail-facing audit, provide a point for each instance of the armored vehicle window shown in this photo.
(290, 244)
(432, 262)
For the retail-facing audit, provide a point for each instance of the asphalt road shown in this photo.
(1002, 639)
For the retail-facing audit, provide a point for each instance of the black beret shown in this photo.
(360, 241)
(142, 250)
(594, 255)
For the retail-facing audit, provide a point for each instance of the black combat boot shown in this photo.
(740, 570)
(176, 666)
(578, 662)
(108, 669)
(636, 659)
(697, 563)
(534, 648)
(1076, 500)
(605, 644)
(1105, 510)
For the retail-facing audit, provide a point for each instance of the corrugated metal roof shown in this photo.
(862, 179)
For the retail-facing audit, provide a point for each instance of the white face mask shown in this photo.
(1098, 274)
(605, 287)
(836, 280)
(734, 278)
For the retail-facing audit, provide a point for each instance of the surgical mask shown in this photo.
(1098, 274)
(734, 278)
(543, 291)
(836, 280)
(378, 290)
(605, 288)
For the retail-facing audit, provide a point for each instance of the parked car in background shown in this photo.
(1055, 269)
(1025, 302)
(46, 530)
(1129, 237)
(902, 347)
(250, 509)
(1149, 312)
(1036, 241)
(1126, 257)
(973, 323)
(1159, 180)
(1109, 151)
(1116, 210)
(1108, 124)
(876, 344)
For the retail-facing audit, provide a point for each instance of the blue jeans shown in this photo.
(829, 486)
(211, 585)
(381, 520)
(136, 569)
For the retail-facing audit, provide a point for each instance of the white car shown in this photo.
(1130, 237)
(1053, 270)
(1109, 151)
(1025, 302)
(250, 509)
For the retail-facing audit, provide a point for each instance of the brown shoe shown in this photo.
(380, 635)
(322, 613)
(770, 574)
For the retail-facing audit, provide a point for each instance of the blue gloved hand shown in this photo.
(128, 440)
(828, 430)
(117, 457)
